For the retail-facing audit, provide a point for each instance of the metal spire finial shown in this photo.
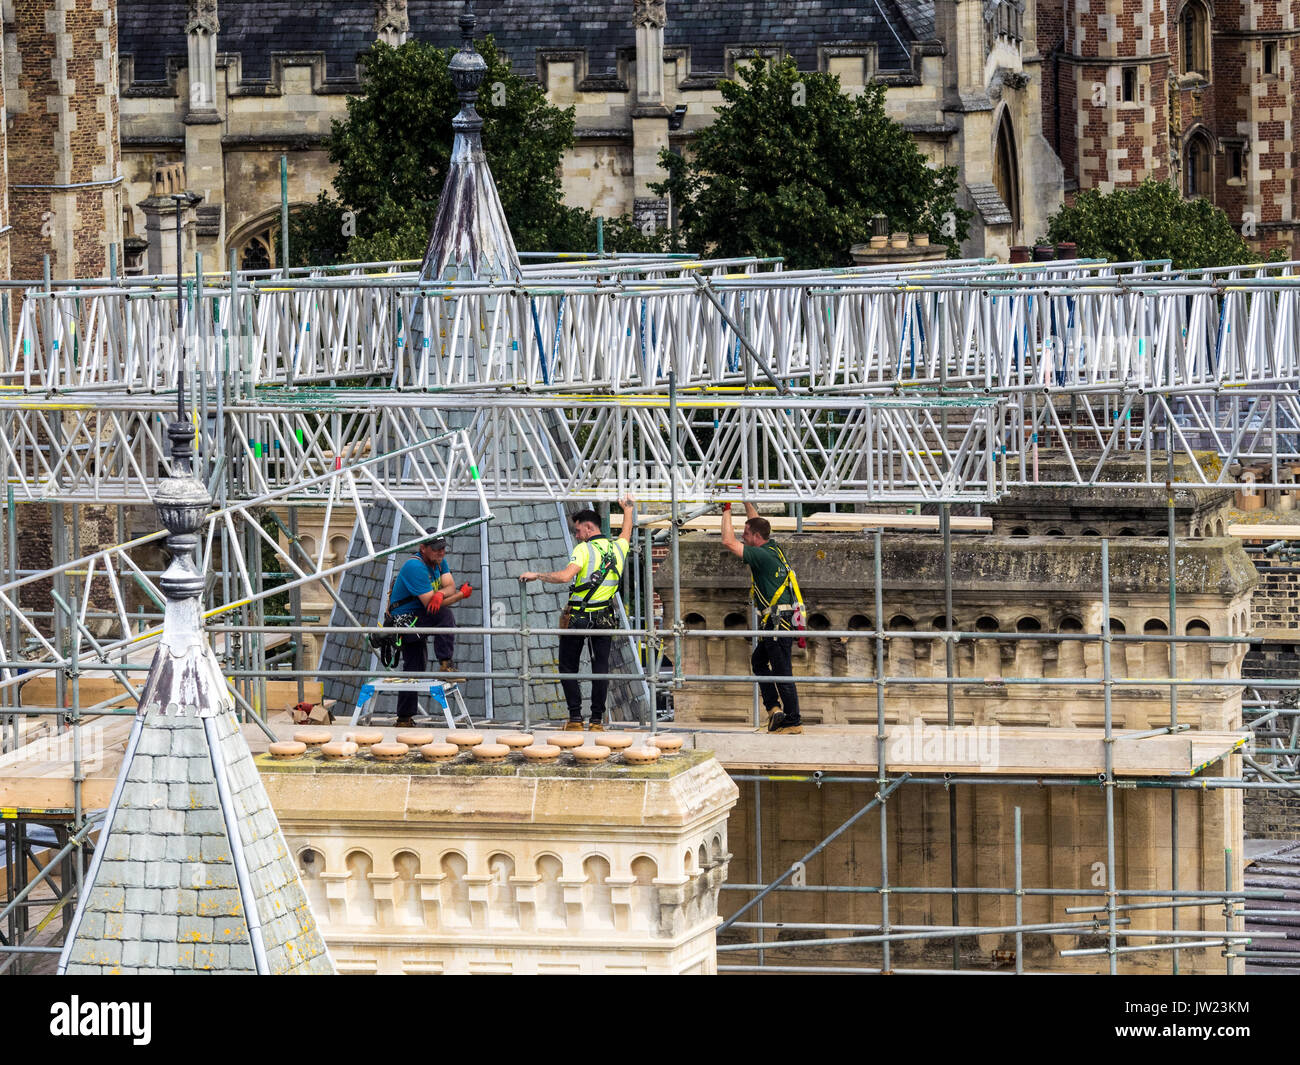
(468, 69)
(467, 20)
(181, 499)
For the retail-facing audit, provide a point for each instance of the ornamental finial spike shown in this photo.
(467, 20)
(468, 69)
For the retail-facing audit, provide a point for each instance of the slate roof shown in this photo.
(153, 30)
(1277, 869)
(165, 894)
(708, 27)
(521, 537)
(988, 202)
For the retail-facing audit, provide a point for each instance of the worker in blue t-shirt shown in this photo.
(424, 591)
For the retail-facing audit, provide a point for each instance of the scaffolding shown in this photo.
(686, 382)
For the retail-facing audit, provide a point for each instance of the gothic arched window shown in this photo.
(1194, 29)
(1199, 174)
(1006, 170)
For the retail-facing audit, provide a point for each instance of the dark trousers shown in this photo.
(771, 658)
(571, 655)
(415, 654)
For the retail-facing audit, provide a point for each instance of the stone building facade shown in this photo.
(1196, 92)
(1028, 585)
(964, 76)
(1029, 99)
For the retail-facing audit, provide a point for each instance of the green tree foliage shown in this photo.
(792, 166)
(394, 146)
(1151, 221)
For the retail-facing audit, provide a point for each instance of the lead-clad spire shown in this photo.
(471, 238)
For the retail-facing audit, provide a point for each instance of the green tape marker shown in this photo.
(257, 449)
(473, 472)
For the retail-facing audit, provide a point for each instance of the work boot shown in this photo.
(572, 726)
(446, 666)
(781, 723)
(595, 726)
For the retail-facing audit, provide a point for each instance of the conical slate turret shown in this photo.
(191, 872)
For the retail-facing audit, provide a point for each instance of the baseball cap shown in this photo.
(438, 543)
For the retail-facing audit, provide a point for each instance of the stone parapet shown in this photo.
(417, 867)
(1003, 586)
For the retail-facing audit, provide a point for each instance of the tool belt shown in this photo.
(598, 617)
(388, 645)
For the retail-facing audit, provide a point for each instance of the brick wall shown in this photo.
(64, 131)
(1276, 606)
(4, 167)
(1110, 144)
(1117, 143)
(1051, 33)
(1272, 815)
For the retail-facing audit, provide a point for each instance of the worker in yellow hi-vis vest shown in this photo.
(775, 591)
(594, 570)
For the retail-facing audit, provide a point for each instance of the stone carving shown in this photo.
(202, 16)
(1003, 18)
(1174, 106)
(391, 19)
(650, 13)
(1005, 78)
(1066, 604)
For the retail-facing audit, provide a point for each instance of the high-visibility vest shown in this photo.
(602, 554)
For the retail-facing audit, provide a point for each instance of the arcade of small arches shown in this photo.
(1238, 623)
(479, 888)
(979, 665)
(1209, 525)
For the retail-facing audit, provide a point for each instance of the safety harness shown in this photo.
(595, 579)
(601, 615)
(774, 607)
(400, 615)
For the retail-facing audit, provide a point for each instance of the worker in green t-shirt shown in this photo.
(594, 570)
(773, 590)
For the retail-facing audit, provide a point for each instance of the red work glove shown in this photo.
(726, 508)
(465, 589)
(435, 603)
